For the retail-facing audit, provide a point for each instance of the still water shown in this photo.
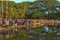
(45, 33)
(39, 33)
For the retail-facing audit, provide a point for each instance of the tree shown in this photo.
(49, 3)
(21, 10)
(38, 15)
(57, 14)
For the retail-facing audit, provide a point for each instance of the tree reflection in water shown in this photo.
(47, 33)
(40, 33)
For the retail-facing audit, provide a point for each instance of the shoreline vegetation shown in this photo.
(49, 9)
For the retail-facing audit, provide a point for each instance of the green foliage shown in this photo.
(38, 15)
(21, 10)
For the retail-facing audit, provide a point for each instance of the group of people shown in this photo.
(12, 22)
(7, 24)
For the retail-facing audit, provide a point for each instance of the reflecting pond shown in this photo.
(45, 33)
(39, 33)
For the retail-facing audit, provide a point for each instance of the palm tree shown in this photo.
(2, 8)
(6, 9)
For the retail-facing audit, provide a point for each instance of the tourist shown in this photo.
(1, 22)
(7, 23)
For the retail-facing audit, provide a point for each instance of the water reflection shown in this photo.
(48, 32)
(39, 33)
(46, 29)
